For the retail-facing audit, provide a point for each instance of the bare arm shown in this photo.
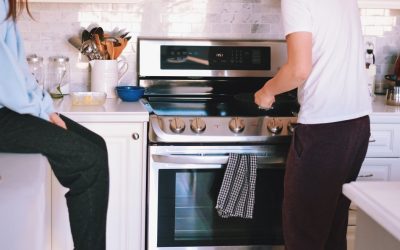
(292, 74)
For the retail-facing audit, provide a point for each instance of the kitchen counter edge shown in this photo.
(382, 113)
(113, 110)
(379, 200)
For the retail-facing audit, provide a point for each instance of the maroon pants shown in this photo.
(321, 159)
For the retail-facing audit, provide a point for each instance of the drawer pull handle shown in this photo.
(372, 139)
(135, 136)
(366, 176)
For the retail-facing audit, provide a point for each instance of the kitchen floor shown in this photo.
(351, 229)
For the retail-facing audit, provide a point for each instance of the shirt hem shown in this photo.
(334, 119)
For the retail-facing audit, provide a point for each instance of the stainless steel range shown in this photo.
(200, 94)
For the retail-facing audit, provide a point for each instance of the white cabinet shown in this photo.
(384, 141)
(126, 143)
(382, 162)
(24, 202)
(380, 169)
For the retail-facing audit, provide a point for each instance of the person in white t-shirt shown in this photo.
(326, 63)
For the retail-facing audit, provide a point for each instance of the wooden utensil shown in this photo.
(110, 49)
(118, 49)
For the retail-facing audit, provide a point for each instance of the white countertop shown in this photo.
(383, 113)
(380, 200)
(114, 110)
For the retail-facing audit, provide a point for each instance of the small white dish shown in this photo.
(88, 98)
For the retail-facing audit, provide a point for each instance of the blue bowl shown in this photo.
(129, 93)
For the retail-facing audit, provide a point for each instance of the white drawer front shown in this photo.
(374, 173)
(384, 140)
(380, 169)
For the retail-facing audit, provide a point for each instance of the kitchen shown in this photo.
(211, 19)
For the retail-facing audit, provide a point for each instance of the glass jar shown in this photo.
(36, 67)
(58, 76)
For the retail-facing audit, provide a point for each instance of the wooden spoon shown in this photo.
(118, 50)
(110, 49)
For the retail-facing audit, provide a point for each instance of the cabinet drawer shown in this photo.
(374, 173)
(384, 140)
(380, 169)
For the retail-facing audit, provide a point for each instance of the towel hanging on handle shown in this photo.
(236, 196)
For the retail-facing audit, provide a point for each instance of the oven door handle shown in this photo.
(218, 160)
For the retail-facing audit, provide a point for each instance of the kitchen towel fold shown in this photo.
(236, 196)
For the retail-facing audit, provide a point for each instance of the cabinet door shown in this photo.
(380, 169)
(24, 202)
(384, 140)
(125, 222)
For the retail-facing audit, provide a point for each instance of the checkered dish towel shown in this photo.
(236, 196)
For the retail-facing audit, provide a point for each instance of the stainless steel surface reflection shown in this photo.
(200, 95)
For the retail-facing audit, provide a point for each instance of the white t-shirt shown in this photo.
(337, 88)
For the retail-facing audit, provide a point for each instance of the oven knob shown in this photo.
(236, 125)
(291, 126)
(274, 126)
(198, 125)
(177, 125)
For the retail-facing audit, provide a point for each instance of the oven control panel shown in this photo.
(209, 58)
(187, 129)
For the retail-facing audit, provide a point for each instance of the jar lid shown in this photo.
(59, 59)
(34, 58)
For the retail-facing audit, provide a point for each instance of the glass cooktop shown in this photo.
(238, 105)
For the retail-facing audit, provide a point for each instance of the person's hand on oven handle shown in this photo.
(292, 74)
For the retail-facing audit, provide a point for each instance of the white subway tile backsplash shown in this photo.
(241, 28)
(221, 28)
(260, 28)
(233, 19)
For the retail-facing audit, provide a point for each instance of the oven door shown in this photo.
(184, 183)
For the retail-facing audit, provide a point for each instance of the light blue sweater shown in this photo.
(18, 88)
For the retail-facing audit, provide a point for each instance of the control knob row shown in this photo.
(236, 125)
(177, 125)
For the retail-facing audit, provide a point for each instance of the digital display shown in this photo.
(215, 58)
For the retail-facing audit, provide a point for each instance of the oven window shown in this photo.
(187, 215)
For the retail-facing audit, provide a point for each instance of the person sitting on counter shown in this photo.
(28, 124)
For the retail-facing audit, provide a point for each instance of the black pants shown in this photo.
(78, 158)
(321, 159)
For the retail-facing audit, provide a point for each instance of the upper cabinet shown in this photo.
(381, 4)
